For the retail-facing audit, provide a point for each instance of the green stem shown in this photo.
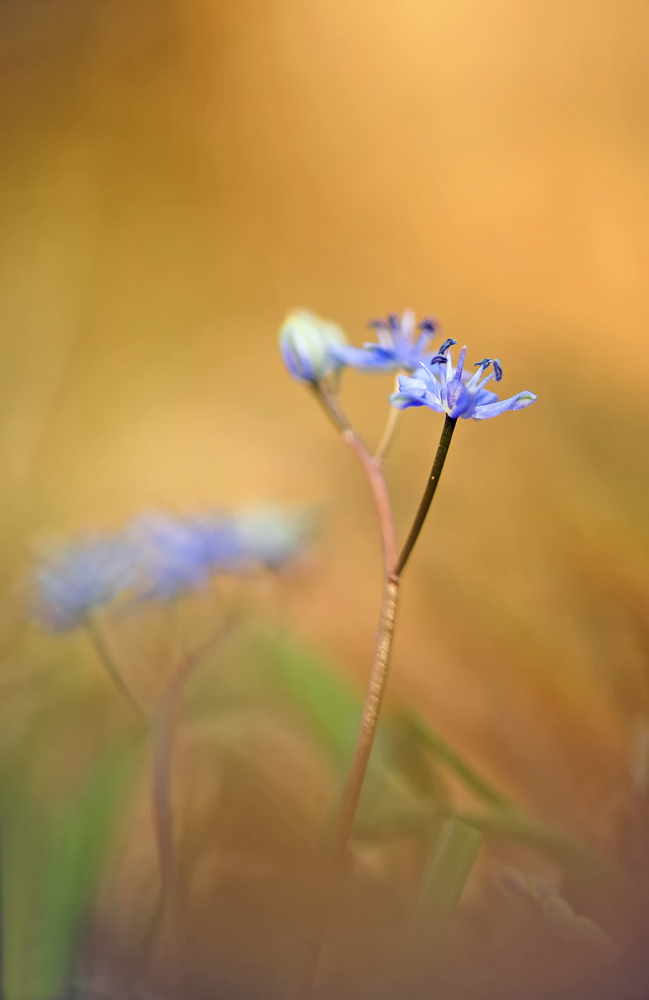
(429, 493)
(447, 755)
(571, 854)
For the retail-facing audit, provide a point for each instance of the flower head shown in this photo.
(401, 344)
(176, 554)
(272, 536)
(306, 342)
(80, 577)
(455, 392)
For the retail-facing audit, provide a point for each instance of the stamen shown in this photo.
(482, 365)
(482, 384)
(383, 334)
(398, 337)
(449, 342)
(443, 378)
(498, 370)
(438, 359)
(428, 324)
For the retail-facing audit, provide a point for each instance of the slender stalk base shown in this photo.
(162, 735)
(378, 678)
(369, 721)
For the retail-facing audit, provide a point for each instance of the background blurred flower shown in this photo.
(397, 347)
(305, 342)
(176, 554)
(79, 577)
(273, 536)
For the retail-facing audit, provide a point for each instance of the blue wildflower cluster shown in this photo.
(158, 556)
(312, 347)
(311, 351)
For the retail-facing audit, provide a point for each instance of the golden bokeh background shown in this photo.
(177, 174)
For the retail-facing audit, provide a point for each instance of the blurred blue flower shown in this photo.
(272, 536)
(401, 345)
(158, 556)
(176, 554)
(76, 579)
(305, 342)
(453, 392)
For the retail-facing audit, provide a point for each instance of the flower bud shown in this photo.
(305, 341)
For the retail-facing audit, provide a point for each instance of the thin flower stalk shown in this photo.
(440, 387)
(373, 471)
(429, 493)
(108, 661)
(377, 684)
(388, 434)
(163, 732)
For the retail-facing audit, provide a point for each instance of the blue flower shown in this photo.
(272, 536)
(401, 345)
(305, 343)
(453, 392)
(158, 556)
(79, 577)
(176, 554)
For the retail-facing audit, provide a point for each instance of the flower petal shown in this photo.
(465, 403)
(377, 360)
(517, 402)
(484, 396)
(402, 400)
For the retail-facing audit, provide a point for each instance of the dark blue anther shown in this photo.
(498, 369)
(483, 364)
(449, 342)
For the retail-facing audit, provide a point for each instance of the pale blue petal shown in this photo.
(517, 402)
(465, 404)
(365, 361)
(401, 401)
(484, 396)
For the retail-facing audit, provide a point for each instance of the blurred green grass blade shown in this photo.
(591, 869)
(445, 753)
(53, 856)
(446, 875)
(328, 704)
(398, 795)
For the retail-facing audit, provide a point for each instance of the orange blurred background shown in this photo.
(176, 175)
